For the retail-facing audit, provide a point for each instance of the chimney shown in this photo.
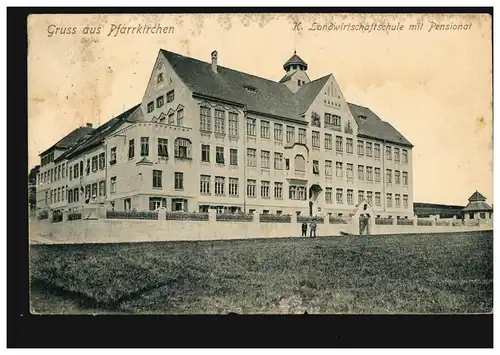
(89, 125)
(214, 61)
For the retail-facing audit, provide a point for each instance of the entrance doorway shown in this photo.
(364, 225)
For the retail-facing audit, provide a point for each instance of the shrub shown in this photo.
(271, 218)
(405, 222)
(424, 222)
(57, 217)
(74, 216)
(337, 220)
(186, 216)
(307, 219)
(384, 221)
(43, 215)
(131, 215)
(442, 223)
(240, 217)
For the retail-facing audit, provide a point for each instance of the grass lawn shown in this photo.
(446, 273)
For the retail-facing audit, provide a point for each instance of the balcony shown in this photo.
(333, 127)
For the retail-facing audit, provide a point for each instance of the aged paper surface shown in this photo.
(428, 75)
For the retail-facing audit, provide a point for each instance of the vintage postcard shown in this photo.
(260, 163)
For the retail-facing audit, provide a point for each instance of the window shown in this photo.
(113, 184)
(396, 155)
(205, 184)
(265, 159)
(377, 199)
(180, 118)
(171, 118)
(377, 150)
(369, 173)
(233, 124)
(70, 196)
(397, 199)
(369, 149)
(102, 188)
(301, 191)
(264, 189)
(349, 197)
(75, 171)
(219, 155)
(251, 157)
(163, 147)
(205, 153)
(179, 205)
(349, 146)
(361, 196)
(233, 156)
(316, 167)
(157, 179)
(405, 178)
(328, 195)
(94, 189)
(179, 181)
(405, 156)
(233, 187)
(405, 201)
(388, 176)
(70, 173)
(220, 121)
(157, 202)
(144, 146)
(292, 192)
(102, 162)
(328, 141)
(205, 119)
(290, 134)
(336, 120)
(340, 196)
(361, 148)
(388, 153)
(369, 197)
(170, 96)
(315, 139)
(151, 106)
(397, 177)
(287, 164)
(59, 193)
(113, 156)
(160, 101)
(361, 172)
(159, 78)
(131, 150)
(251, 188)
(182, 148)
(339, 144)
(300, 163)
(278, 161)
(328, 168)
(94, 163)
(377, 174)
(251, 127)
(278, 131)
(389, 201)
(59, 172)
(265, 130)
(278, 190)
(219, 185)
(64, 168)
(302, 135)
(339, 169)
(75, 195)
(350, 171)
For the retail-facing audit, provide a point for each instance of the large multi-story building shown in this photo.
(206, 136)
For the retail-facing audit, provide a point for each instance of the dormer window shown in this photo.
(251, 89)
(159, 78)
(363, 117)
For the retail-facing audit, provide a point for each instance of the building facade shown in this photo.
(205, 136)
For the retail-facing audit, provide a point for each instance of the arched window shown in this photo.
(300, 163)
(182, 148)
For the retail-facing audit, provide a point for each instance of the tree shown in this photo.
(32, 186)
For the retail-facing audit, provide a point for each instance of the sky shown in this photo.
(434, 86)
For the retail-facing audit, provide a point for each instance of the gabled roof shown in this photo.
(477, 206)
(295, 59)
(257, 94)
(97, 135)
(477, 196)
(71, 139)
(370, 125)
(308, 92)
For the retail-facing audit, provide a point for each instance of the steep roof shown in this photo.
(71, 139)
(257, 94)
(477, 206)
(477, 196)
(97, 135)
(308, 92)
(295, 59)
(374, 127)
(287, 76)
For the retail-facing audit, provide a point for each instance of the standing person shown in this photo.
(304, 229)
(313, 228)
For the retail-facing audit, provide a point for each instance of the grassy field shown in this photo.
(447, 273)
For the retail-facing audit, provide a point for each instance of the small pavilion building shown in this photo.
(477, 209)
